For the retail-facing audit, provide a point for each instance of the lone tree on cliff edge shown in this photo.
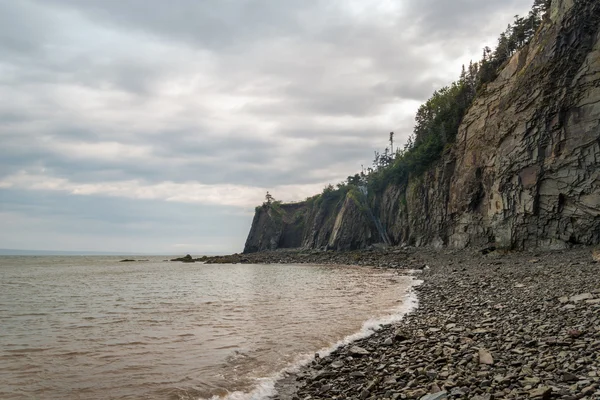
(269, 199)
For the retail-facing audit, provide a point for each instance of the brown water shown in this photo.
(94, 328)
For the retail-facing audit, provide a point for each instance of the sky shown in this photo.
(157, 126)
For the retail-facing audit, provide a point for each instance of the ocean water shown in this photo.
(95, 328)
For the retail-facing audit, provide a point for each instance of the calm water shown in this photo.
(94, 328)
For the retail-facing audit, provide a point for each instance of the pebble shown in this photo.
(476, 334)
(435, 396)
(485, 357)
(358, 351)
(541, 393)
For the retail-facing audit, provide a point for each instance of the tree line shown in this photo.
(438, 119)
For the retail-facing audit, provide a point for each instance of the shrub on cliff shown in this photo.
(438, 119)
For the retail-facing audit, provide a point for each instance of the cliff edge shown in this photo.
(523, 170)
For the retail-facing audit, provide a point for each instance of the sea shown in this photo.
(92, 327)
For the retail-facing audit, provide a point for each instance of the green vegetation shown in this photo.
(512, 39)
(331, 197)
(439, 118)
(270, 204)
(358, 198)
(437, 123)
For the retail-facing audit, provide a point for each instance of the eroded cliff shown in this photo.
(523, 171)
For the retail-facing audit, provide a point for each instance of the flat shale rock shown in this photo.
(475, 334)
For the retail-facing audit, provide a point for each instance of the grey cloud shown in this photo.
(176, 156)
(365, 101)
(59, 221)
(454, 20)
(23, 28)
(214, 24)
(13, 117)
(311, 73)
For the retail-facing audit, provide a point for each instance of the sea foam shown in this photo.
(265, 387)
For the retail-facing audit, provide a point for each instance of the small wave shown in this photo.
(232, 346)
(30, 315)
(28, 350)
(128, 344)
(114, 321)
(74, 353)
(265, 387)
(18, 283)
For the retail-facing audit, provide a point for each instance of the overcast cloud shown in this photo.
(154, 126)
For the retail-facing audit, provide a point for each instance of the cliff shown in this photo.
(523, 171)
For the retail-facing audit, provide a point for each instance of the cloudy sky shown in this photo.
(157, 126)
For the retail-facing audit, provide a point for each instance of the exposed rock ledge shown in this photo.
(524, 171)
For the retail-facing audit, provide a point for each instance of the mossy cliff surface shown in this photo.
(523, 171)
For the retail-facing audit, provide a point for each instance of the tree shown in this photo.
(269, 199)
(438, 119)
(353, 180)
(541, 6)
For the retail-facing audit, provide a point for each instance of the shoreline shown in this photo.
(494, 326)
(271, 387)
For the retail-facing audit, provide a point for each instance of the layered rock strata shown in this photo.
(523, 171)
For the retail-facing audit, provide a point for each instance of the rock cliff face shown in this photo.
(523, 172)
(321, 223)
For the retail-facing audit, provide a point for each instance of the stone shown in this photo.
(581, 297)
(485, 357)
(532, 381)
(588, 390)
(435, 396)
(326, 388)
(435, 388)
(401, 335)
(596, 254)
(417, 394)
(358, 351)
(543, 393)
(575, 333)
(569, 377)
(187, 259)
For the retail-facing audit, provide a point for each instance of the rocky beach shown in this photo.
(410, 233)
(517, 168)
(489, 325)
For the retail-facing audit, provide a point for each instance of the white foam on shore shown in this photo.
(266, 386)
